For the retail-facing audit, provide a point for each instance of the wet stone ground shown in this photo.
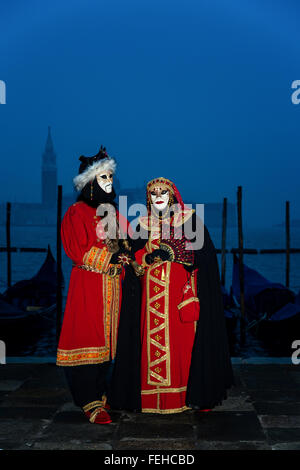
(262, 412)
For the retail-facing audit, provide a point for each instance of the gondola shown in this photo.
(272, 310)
(282, 328)
(262, 297)
(39, 291)
(28, 307)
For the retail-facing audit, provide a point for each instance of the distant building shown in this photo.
(44, 213)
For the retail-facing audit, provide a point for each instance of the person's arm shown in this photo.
(79, 245)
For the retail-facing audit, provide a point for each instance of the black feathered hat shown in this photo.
(91, 166)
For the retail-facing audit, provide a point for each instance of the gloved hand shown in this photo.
(162, 254)
(115, 257)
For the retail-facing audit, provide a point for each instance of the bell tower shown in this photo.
(49, 173)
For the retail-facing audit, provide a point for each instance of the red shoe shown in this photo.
(98, 416)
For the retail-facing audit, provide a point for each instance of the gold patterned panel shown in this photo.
(158, 325)
(111, 298)
(97, 258)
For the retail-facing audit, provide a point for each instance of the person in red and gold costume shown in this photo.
(184, 360)
(94, 237)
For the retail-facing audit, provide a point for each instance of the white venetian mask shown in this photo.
(105, 180)
(160, 198)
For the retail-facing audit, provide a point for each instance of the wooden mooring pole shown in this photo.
(287, 231)
(223, 256)
(8, 244)
(59, 266)
(241, 266)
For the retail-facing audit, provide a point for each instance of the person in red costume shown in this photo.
(184, 361)
(93, 238)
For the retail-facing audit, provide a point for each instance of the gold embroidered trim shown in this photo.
(81, 356)
(91, 405)
(193, 282)
(186, 302)
(111, 297)
(181, 217)
(97, 258)
(163, 390)
(158, 281)
(115, 315)
(162, 183)
(113, 269)
(144, 260)
(158, 411)
(95, 413)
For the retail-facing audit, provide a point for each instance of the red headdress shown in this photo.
(166, 184)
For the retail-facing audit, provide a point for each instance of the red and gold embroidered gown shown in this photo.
(167, 341)
(90, 323)
(175, 367)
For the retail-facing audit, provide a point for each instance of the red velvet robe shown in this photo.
(90, 323)
(167, 342)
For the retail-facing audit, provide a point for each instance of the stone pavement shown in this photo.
(261, 412)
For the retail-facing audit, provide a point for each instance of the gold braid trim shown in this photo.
(186, 302)
(182, 216)
(165, 412)
(113, 269)
(163, 390)
(162, 183)
(93, 404)
(99, 404)
(94, 413)
(81, 356)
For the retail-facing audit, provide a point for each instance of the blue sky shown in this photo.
(198, 91)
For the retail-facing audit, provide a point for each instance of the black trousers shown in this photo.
(89, 382)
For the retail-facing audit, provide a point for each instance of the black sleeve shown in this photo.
(139, 238)
(210, 371)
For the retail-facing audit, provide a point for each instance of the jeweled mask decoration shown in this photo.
(159, 194)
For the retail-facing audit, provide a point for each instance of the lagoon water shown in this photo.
(272, 266)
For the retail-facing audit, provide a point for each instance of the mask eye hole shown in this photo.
(164, 191)
(103, 177)
(153, 193)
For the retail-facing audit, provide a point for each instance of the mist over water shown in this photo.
(197, 92)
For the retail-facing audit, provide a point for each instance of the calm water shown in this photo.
(272, 266)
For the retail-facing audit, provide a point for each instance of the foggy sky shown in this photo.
(196, 91)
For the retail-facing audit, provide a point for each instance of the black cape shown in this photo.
(210, 371)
